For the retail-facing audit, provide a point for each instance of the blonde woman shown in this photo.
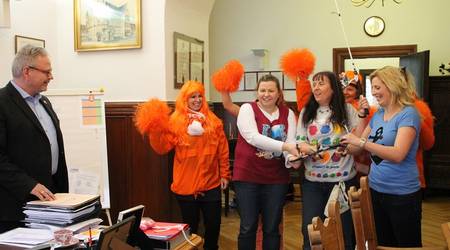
(392, 139)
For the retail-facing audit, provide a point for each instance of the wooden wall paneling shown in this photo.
(137, 174)
(438, 168)
(149, 178)
(116, 161)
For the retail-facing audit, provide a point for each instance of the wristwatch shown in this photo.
(362, 142)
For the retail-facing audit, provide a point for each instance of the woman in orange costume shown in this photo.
(201, 167)
(426, 136)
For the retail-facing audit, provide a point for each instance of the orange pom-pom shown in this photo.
(152, 117)
(298, 63)
(303, 92)
(228, 78)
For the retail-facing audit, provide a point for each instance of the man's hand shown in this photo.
(42, 193)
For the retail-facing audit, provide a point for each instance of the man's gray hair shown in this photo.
(26, 57)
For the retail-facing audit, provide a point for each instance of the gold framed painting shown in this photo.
(20, 41)
(107, 24)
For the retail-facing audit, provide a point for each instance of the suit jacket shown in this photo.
(25, 154)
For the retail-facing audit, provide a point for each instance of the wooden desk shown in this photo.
(197, 240)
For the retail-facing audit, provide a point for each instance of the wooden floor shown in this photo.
(436, 210)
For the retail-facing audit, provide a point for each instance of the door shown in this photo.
(418, 65)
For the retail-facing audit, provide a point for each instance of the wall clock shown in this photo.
(374, 26)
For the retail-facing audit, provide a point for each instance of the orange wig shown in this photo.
(179, 120)
(165, 132)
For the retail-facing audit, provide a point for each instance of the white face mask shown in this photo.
(195, 128)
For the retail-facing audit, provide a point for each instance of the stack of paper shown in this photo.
(75, 228)
(65, 210)
(26, 237)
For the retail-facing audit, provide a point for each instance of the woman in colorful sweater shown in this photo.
(322, 123)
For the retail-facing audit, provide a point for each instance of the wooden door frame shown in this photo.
(340, 54)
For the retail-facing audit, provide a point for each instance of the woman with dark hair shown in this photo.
(260, 177)
(325, 118)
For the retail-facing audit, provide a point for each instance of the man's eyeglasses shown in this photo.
(46, 72)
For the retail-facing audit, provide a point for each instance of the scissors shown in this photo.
(318, 152)
(322, 149)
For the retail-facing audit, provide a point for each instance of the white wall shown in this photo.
(28, 18)
(235, 27)
(4, 13)
(238, 26)
(126, 75)
(191, 18)
(134, 74)
(371, 63)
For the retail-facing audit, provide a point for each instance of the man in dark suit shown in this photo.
(32, 162)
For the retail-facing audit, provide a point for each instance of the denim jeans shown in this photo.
(254, 199)
(398, 219)
(315, 196)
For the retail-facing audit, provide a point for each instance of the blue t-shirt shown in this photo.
(386, 176)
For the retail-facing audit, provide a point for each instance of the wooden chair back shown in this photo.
(362, 215)
(364, 222)
(327, 235)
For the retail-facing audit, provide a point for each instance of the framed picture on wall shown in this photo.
(288, 84)
(21, 41)
(107, 24)
(189, 59)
